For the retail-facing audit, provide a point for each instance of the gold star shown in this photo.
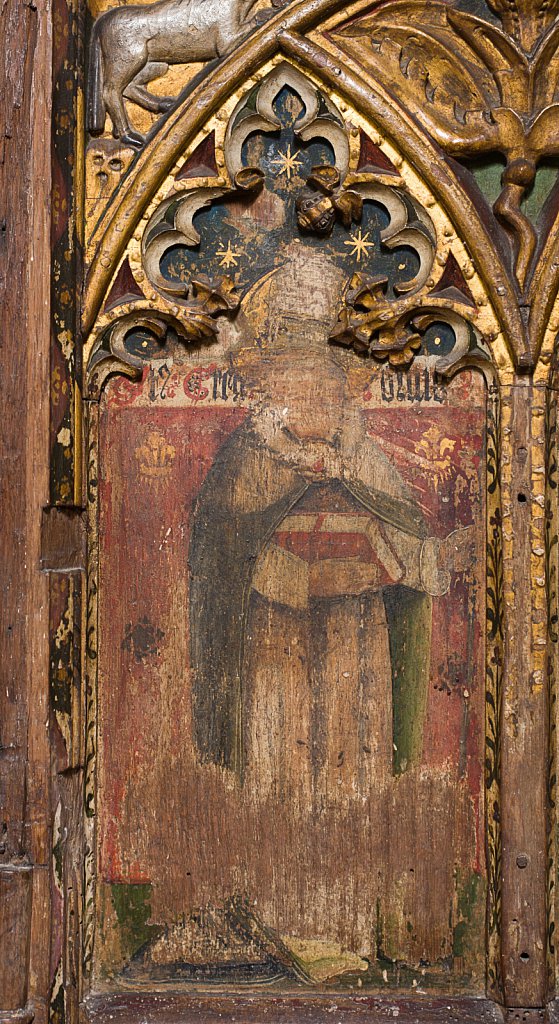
(287, 162)
(230, 258)
(360, 244)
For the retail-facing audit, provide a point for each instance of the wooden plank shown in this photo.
(15, 906)
(25, 60)
(63, 540)
(524, 744)
(293, 1009)
(19, 32)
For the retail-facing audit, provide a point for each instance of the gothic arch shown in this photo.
(168, 143)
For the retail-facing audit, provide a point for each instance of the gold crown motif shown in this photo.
(155, 456)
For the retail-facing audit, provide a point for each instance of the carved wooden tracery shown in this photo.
(393, 102)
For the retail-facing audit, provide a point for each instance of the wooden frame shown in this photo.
(521, 285)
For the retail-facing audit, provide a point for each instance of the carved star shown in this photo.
(287, 162)
(360, 244)
(229, 257)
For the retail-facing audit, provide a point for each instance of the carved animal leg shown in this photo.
(121, 67)
(140, 95)
(122, 128)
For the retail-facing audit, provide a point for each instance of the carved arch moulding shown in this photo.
(310, 379)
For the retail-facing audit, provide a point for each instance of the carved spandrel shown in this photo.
(475, 89)
(121, 113)
(107, 161)
(132, 46)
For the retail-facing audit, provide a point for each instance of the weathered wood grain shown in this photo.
(553, 1011)
(524, 746)
(15, 915)
(24, 393)
(62, 540)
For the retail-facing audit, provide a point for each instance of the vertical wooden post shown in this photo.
(524, 718)
(25, 202)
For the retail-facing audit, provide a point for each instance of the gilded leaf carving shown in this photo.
(474, 88)
(373, 325)
(525, 20)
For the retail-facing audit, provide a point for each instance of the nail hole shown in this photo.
(522, 496)
(524, 957)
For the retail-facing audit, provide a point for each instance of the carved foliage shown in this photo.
(373, 325)
(194, 322)
(475, 88)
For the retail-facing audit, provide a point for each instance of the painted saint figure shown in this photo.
(312, 572)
